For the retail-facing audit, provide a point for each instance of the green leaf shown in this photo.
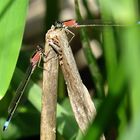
(12, 22)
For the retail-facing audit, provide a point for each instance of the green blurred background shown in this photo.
(108, 59)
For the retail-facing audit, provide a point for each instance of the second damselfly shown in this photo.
(34, 62)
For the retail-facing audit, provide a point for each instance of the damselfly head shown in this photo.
(66, 23)
(58, 24)
(39, 48)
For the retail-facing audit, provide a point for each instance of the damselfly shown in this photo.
(72, 23)
(34, 61)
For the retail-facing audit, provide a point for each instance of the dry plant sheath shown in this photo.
(82, 105)
(49, 96)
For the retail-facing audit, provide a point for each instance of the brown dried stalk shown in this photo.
(49, 95)
(82, 105)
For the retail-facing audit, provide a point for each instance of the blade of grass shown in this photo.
(93, 67)
(131, 56)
